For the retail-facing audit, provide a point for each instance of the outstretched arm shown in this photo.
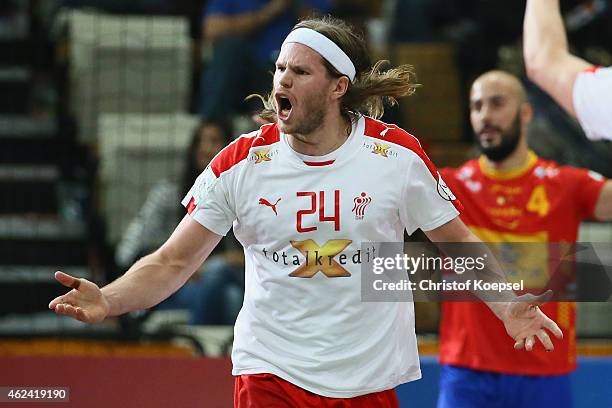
(547, 58)
(148, 282)
(523, 319)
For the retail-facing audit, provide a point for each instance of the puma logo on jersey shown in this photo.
(384, 132)
(263, 201)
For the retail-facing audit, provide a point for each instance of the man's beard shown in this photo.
(509, 141)
(314, 108)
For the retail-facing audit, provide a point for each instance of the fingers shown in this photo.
(67, 280)
(552, 326)
(545, 339)
(519, 344)
(535, 324)
(68, 298)
(529, 343)
(55, 302)
(81, 285)
(75, 312)
(66, 309)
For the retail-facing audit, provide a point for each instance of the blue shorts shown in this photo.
(466, 388)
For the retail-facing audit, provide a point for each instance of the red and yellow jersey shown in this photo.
(539, 202)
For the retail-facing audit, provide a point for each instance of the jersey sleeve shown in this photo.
(428, 203)
(592, 96)
(208, 202)
(587, 187)
(449, 176)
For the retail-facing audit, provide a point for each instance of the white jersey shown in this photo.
(301, 221)
(592, 96)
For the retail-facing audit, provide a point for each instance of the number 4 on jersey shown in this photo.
(538, 202)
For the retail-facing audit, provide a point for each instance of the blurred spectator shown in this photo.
(245, 36)
(214, 294)
(355, 12)
(411, 20)
(124, 7)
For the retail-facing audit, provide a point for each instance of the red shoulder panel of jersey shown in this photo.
(394, 134)
(592, 69)
(239, 149)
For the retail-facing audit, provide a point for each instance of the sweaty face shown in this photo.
(496, 120)
(302, 90)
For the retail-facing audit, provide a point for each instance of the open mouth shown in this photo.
(488, 134)
(284, 107)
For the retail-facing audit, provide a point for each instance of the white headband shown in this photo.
(324, 46)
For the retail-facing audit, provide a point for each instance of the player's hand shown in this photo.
(524, 322)
(85, 302)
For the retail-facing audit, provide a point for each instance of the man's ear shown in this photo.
(526, 113)
(340, 88)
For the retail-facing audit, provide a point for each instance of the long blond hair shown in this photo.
(373, 86)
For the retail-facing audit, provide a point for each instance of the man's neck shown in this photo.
(332, 133)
